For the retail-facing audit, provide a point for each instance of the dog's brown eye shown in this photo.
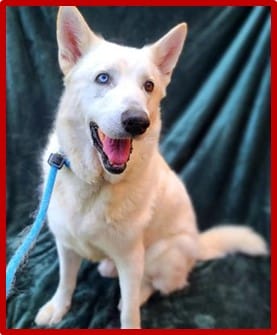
(148, 86)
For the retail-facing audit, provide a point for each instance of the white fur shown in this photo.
(140, 223)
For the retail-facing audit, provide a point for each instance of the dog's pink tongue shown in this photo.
(118, 151)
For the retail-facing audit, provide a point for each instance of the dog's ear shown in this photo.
(74, 37)
(166, 51)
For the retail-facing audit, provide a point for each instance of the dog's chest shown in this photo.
(79, 219)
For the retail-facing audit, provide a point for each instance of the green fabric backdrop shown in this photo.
(216, 136)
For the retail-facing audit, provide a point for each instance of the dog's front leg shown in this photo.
(53, 311)
(130, 270)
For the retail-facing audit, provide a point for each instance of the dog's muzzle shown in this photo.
(115, 152)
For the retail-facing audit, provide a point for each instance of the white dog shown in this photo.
(119, 202)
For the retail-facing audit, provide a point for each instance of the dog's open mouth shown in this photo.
(115, 153)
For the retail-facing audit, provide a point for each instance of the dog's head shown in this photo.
(112, 92)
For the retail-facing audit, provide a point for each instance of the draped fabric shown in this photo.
(216, 136)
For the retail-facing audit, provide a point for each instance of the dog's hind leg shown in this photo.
(107, 268)
(169, 261)
(54, 310)
(146, 291)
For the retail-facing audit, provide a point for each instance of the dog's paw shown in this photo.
(50, 314)
(107, 268)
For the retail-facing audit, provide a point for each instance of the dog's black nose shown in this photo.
(135, 121)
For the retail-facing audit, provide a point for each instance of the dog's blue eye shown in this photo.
(102, 78)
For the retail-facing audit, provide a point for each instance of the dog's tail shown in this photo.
(220, 241)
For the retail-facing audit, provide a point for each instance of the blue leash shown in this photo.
(56, 162)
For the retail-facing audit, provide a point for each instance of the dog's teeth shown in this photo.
(101, 135)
